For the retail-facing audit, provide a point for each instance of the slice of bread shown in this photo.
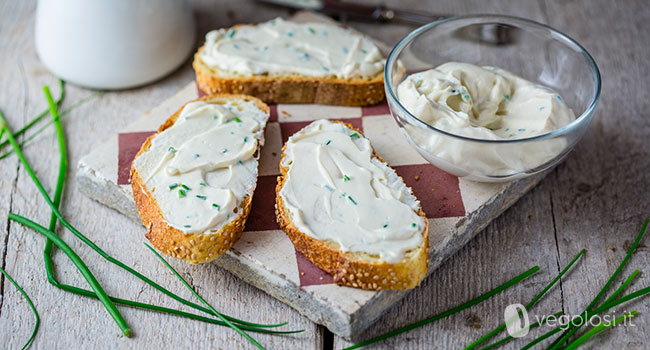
(357, 268)
(205, 246)
(291, 87)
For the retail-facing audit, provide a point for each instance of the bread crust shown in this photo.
(292, 89)
(194, 248)
(357, 270)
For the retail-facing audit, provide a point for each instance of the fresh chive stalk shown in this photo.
(90, 293)
(39, 117)
(29, 301)
(81, 266)
(88, 242)
(58, 192)
(530, 304)
(599, 328)
(509, 338)
(239, 330)
(574, 328)
(47, 125)
(449, 312)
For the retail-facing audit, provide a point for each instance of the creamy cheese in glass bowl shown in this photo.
(486, 110)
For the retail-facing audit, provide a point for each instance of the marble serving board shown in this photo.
(457, 209)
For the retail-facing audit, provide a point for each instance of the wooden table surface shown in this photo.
(597, 199)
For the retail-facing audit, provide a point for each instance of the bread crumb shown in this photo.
(417, 178)
(286, 113)
(275, 154)
(530, 217)
(233, 298)
(302, 274)
(320, 278)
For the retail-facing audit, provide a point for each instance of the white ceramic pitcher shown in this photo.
(113, 44)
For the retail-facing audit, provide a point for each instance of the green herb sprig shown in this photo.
(509, 338)
(81, 266)
(233, 326)
(589, 311)
(599, 328)
(532, 302)
(39, 117)
(449, 312)
(45, 126)
(574, 328)
(29, 301)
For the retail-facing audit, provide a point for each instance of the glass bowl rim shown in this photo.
(584, 117)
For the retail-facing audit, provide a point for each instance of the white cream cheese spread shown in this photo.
(280, 48)
(201, 168)
(336, 190)
(485, 103)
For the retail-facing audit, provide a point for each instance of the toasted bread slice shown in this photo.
(287, 85)
(176, 239)
(359, 268)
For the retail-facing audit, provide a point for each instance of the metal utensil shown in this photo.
(343, 11)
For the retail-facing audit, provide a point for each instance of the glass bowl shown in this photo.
(526, 48)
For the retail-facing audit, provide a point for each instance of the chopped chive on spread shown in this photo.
(346, 178)
(201, 197)
(522, 129)
(413, 225)
(418, 83)
(559, 98)
(354, 136)
(364, 51)
(345, 50)
(328, 142)
(202, 183)
(187, 226)
(245, 139)
(236, 119)
(304, 57)
(224, 150)
(465, 97)
(216, 205)
(265, 48)
(506, 97)
(196, 155)
(187, 188)
(240, 162)
(329, 188)
(352, 200)
(215, 117)
(181, 193)
(454, 91)
(541, 108)
(311, 30)
(170, 149)
(235, 46)
(385, 225)
(173, 186)
(232, 133)
(326, 69)
(507, 129)
(289, 34)
(230, 33)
